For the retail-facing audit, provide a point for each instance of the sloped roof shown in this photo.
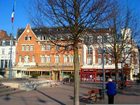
(59, 30)
(4, 35)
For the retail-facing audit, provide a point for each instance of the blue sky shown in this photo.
(22, 16)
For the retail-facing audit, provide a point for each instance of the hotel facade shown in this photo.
(35, 54)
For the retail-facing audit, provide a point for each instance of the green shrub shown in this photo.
(35, 75)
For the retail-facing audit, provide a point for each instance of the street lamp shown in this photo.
(103, 70)
(10, 61)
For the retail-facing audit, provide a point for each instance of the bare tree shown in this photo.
(74, 16)
(122, 25)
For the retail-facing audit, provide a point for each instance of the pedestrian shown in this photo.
(111, 91)
(90, 77)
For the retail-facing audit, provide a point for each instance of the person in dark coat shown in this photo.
(111, 91)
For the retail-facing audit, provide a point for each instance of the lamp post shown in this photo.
(103, 70)
(10, 61)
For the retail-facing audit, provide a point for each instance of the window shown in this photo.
(3, 43)
(109, 38)
(127, 50)
(43, 59)
(56, 59)
(110, 61)
(65, 59)
(43, 47)
(105, 39)
(29, 38)
(57, 48)
(31, 47)
(99, 39)
(99, 51)
(27, 48)
(89, 61)
(48, 59)
(99, 60)
(3, 51)
(71, 59)
(26, 59)
(26, 38)
(90, 51)
(43, 37)
(23, 47)
(48, 47)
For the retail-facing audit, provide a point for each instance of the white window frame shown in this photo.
(43, 47)
(56, 59)
(43, 59)
(89, 60)
(99, 60)
(48, 59)
(48, 47)
(71, 58)
(90, 50)
(31, 47)
(65, 58)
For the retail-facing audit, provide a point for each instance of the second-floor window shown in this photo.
(56, 59)
(31, 47)
(27, 47)
(71, 59)
(65, 58)
(23, 47)
(57, 48)
(48, 59)
(48, 47)
(43, 59)
(90, 51)
(43, 47)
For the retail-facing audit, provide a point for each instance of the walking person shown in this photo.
(111, 91)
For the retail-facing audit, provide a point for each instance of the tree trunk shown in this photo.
(76, 75)
(116, 71)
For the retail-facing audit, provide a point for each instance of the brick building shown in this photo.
(35, 54)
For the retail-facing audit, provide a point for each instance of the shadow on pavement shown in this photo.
(49, 97)
(7, 98)
(40, 100)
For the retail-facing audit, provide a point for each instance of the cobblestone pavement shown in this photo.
(61, 95)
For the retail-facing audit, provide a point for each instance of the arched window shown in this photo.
(90, 50)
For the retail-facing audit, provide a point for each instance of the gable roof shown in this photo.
(38, 31)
